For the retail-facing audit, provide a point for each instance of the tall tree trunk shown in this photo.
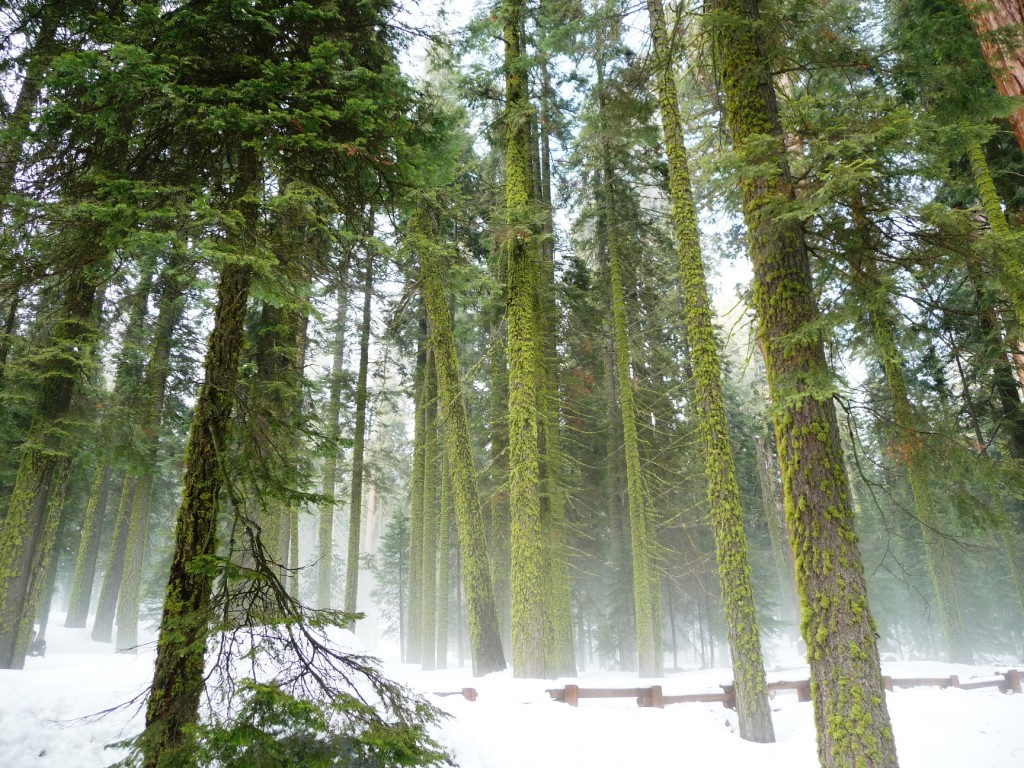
(775, 516)
(444, 547)
(484, 636)
(413, 641)
(646, 588)
(431, 487)
(106, 605)
(27, 535)
(84, 574)
(528, 588)
(359, 443)
(325, 542)
(846, 681)
(174, 281)
(907, 445)
(755, 717)
(184, 627)
(179, 677)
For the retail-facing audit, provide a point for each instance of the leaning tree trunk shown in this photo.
(444, 547)
(359, 443)
(846, 681)
(755, 718)
(325, 541)
(413, 643)
(27, 534)
(484, 636)
(528, 588)
(179, 677)
(185, 624)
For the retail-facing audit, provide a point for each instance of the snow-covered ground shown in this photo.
(44, 719)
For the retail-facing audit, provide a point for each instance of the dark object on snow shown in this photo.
(37, 647)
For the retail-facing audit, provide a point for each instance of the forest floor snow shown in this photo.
(45, 717)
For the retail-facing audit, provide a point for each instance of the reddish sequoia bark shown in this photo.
(1000, 27)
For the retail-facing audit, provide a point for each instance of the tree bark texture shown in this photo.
(755, 719)
(846, 682)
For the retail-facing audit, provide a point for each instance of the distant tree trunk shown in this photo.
(852, 720)
(775, 516)
(88, 548)
(359, 443)
(179, 677)
(171, 306)
(646, 589)
(325, 544)
(528, 588)
(906, 444)
(8, 333)
(444, 546)
(755, 719)
(413, 637)
(33, 512)
(431, 487)
(106, 605)
(484, 636)
(999, 25)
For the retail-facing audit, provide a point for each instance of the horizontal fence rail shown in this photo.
(654, 696)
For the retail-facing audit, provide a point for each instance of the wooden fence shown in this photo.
(654, 696)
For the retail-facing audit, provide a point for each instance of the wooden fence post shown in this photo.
(803, 693)
(954, 680)
(572, 695)
(887, 682)
(1012, 677)
(657, 697)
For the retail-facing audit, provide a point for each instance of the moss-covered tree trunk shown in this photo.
(431, 521)
(359, 442)
(27, 534)
(852, 719)
(755, 718)
(185, 623)
(484, 636)
(332, 421)
(527, 545)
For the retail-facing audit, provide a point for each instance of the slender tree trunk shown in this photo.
(33, 512)
(106, 605)
(528, 588)
(484, 637)
(431, 487)
(444, 547)
(755, 717)
(359, 443)
(179, 677)
(325, 547)
(852, 720)
(907, 445)
(646, 590)
(88, 548)
(8, 334)
(775, 516)
(171, 306)
(413, 642)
